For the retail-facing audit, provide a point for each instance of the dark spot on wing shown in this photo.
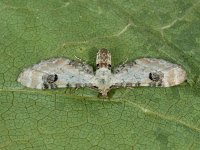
(55, 78)
(52, 78)
(154, 76)
(45, 85)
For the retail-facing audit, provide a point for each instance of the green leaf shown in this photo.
(137, 118)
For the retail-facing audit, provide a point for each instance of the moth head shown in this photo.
(103, 59)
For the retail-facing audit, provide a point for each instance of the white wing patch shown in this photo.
(62, 72)
(149, 72)
(57, 72)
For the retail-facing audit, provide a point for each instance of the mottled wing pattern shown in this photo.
(57, 72)
(148, 72)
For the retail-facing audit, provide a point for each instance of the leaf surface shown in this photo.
(137, 118)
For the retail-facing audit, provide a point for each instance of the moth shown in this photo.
(63, 72)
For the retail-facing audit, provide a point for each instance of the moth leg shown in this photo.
(156, 78)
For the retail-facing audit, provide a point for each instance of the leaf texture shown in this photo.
(137, 118)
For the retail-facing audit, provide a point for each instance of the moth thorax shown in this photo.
(103, 80)
(103, 59)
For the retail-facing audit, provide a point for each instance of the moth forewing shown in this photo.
(149, 72)
(68, 74)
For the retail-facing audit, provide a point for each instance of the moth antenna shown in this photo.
(125, 61)
(81, 60)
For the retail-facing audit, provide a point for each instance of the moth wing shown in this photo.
(139, 73)
(69, 73)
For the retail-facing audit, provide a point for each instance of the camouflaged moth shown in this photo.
(62, 72)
